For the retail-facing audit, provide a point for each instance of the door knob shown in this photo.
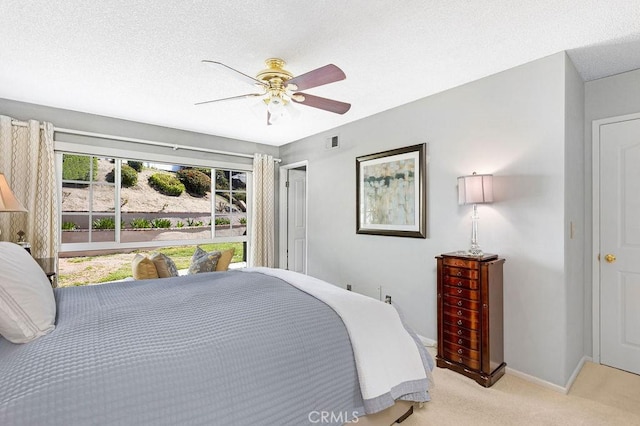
(610, 258)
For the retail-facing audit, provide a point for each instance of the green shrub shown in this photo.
(204, 170)
(140, 222)
(78, 167)
(106, 223)
(223, 221)
(243, 221)
(135, 165)
(161, 223)
(221, 180)
(191, 222)
(166, 184)
(128, 176)
(179, 224)
(239, 196)
(69, 226)
(196, 182)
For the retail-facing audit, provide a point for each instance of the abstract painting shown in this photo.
(391, 192)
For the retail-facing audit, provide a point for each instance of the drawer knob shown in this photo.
(459, 302)
(459, 313)
(460, 360)
(459, 291)
(460, 341)
(460, 351)
(459, 322)
(459, 273)
(459, 332)
(459, 283)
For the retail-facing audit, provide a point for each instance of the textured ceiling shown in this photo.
(140, 60)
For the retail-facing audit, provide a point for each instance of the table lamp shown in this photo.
(8, 201)
(475, 189)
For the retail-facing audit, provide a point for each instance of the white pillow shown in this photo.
(27, 305)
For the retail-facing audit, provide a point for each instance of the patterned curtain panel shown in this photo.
(262, 237)
(27, 161)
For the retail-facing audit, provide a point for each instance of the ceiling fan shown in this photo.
(279, 87)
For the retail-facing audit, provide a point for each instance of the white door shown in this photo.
(297, 221)
(620, 245)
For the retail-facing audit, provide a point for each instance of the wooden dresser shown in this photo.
(470, 327)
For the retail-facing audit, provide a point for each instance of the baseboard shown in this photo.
(430, 343)
(561, 389)
(576, 371)
(537, 381)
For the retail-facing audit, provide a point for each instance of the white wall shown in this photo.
(511, 124)
(607, 97)
(574, 218)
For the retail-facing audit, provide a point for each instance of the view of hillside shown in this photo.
(158, 203)
(173, 199)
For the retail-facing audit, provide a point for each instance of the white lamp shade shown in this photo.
(475, 189)
(8, 201)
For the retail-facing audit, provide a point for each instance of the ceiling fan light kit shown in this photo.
(279, 88)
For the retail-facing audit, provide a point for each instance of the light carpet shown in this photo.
(600, 396)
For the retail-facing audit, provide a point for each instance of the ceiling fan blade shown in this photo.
(248, 95)
(323, 75)
(242, 76)
(322, 103)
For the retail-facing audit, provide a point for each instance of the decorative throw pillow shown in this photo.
(27, 304)
(225, 259)
(201, 261)
(165, 266)
(143, 268)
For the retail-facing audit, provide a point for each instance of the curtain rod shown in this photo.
(173, 146)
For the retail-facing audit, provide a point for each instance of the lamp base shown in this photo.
(475, 250)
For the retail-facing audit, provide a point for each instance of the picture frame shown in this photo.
(391, 194)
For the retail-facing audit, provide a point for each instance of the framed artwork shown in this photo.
(391, 192)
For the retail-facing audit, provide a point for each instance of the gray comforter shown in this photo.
(209, 349)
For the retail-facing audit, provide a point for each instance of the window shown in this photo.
(88, 200)
(111, 203)
(230, 203)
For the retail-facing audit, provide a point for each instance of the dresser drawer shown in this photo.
(462, 263)
(461, 303)
(461, 282)
(461, 292)
(471, 363)
(461, 272)
(459, 312)
(461, 350)
(462, 333)
(458, 340)
(453, 319)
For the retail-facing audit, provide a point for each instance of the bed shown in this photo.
(231, 348)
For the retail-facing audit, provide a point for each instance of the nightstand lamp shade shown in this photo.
(8, 201)
(475, 189)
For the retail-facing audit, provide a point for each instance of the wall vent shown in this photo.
(332, 142)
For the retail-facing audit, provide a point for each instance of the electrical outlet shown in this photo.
(387, 299)
(349, 287)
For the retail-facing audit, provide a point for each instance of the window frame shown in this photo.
(61, 148)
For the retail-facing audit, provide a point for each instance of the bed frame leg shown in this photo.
(405, 415)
